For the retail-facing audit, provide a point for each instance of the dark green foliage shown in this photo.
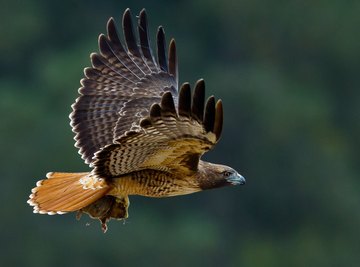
(288, 75)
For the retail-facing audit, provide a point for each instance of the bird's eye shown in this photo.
(226, 173)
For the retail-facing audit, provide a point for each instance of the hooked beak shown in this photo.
(236, 179)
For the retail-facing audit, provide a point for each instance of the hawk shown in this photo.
(137, 129)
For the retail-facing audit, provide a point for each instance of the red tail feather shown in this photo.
(64, 192)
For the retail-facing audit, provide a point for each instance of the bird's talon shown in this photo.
(79, 214)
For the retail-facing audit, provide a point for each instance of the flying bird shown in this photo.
(139, 131)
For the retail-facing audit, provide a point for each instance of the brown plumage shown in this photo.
(138, 131)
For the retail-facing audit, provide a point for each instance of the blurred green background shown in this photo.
(288, 73)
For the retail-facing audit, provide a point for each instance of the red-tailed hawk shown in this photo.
(140, 133)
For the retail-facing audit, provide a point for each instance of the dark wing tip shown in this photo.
(110, 22)
(129, 33)
(200, 82)
(143, 19)
(111, 29)
(155, 111)
(127, 11)
(143, 11)
(90, 73)
(96, 61)
(103, 45)
(218, 124)
(197, 107)
(161, 49)
(209, 117)
(145, 123)
(127, 22)
(167, 104)
(173, 65)
(144, 38)
(185, 100)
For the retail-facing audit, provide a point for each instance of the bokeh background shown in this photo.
(288, 73)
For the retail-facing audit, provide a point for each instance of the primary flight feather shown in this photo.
(140, 132)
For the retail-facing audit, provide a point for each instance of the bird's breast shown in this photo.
(152, 183)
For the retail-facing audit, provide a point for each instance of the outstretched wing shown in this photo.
(121, 85)
(169, 139)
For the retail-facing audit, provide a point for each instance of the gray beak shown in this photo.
(236, 179)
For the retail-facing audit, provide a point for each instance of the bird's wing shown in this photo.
(121, 85)
(171, 139)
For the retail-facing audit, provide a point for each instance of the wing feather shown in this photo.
(209, 117)
(145, 42)
(107, 52)
(131, 42)
(161, 49)
(218, 124)
(167, 141)
(167, 105)
(120, 87)
(119, 51)
(173, 65)
(185, 100)
(197, 107)
(109, 70)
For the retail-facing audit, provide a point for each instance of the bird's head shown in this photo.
(216, 175)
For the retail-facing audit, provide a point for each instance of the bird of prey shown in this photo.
(140, 132)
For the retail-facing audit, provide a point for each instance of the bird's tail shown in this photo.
(65, 192)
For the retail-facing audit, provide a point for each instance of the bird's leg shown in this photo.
(103, 224)
(100, 209)
(78, 215)
(106, 208)
(119, 209)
